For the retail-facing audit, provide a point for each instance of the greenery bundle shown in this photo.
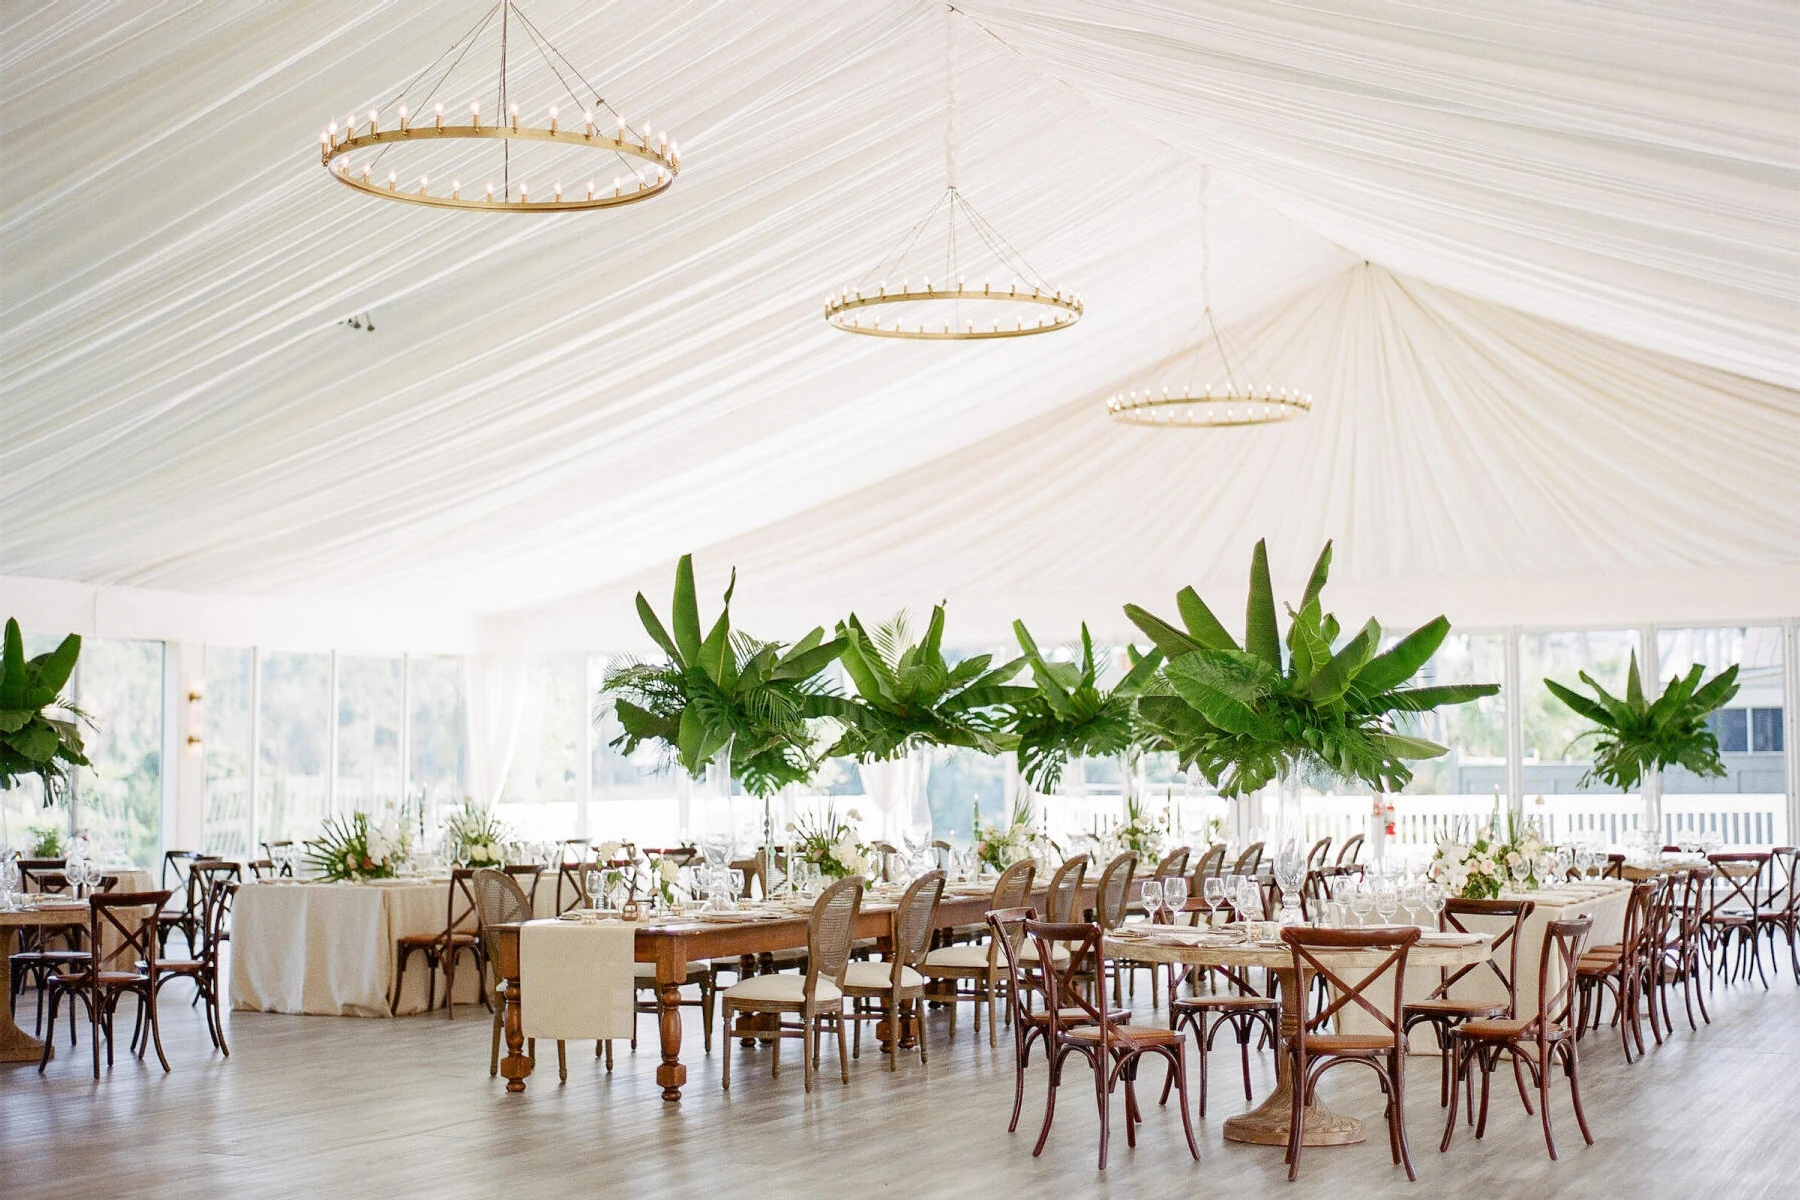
(32, 740)
(726, 693)
(353, 847)
(831, 844)
(1000, 847)
(909, 695)
(1247, 715)
(1637, 735)
(1068, 716)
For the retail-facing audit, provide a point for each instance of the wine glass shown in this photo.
(596, 889)
(1151, 892)
(1213, 892)
(1341, 886)
(1435, 898)
(1410, 901)
(1250, 899)
(1387, 900)
(1520, 870)
(1362, 901)
(1175, 895)
(1545, 869)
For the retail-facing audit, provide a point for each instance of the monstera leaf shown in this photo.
(1637, 735)
(1246, 714)
(909, 695)
(40, 732)
(1067, 715)
(759, 704)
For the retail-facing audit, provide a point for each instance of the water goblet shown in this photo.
(1411, 900)
(1213, 892)
(1175, 895)
(1151, 892)
(1544, 867)
(1520, 870)
(1341, 886)
(1387, 900)
(1362, 901)
(1435, 898)
(1250, 904)
(596, 887)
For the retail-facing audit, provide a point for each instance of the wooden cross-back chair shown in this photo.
(897, 985)
(1539, 1041)
(1349, 852)
(979, 966)
(1333, 955)
(1740, 891)
(1618, 969)
(129, 918)
(1316, 858)
(217, 880)
(1780, 914)
(1113, 1049)
(1250, 861)
(1440, 1009)
(444, 948)
(571, 875)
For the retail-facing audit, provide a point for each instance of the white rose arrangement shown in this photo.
(354, 848)
(831, 844)
(475, 837)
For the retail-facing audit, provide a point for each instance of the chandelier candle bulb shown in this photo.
(456, 189)
(590, 189)
(374, 120)
(440, 115)
(587, 119)
(475, 114)
(557, 186)
(422, 182)
(513, 115)
(553, 118)
(403, 118)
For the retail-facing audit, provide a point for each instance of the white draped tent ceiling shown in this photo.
(1538, 263)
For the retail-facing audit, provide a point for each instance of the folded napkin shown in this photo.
(1450, 939)
(576, 979)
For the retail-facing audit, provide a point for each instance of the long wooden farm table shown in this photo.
(672, 946)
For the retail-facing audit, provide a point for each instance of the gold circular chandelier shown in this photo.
(1217, 404)
(887, 303)
(644, 164)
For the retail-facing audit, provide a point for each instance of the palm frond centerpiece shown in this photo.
(1068, 715)
(755, 703)
(1246, 715)
(40, 731)
(1637, 736)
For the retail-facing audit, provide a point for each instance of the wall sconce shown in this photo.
(194, 744)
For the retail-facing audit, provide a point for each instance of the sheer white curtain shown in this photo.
(498, 688)
(895, 791)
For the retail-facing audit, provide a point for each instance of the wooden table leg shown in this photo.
(1267, 1124)
(516, 1065)
(671, 1074)
(16, 1046)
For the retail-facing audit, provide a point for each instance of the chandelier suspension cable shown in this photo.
(950, 136)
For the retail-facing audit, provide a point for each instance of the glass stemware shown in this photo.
(1362, 901)
(1250, 899)
(1175, 895)
(1435, 898)
(1151, 893)
(1520, 869)
(1341, 886)
(1410, 901)
(1213, 892)
(1387, 900)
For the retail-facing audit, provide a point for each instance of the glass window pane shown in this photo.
(440, 723)
(1747, 807)
(1475, 732)
(544, 781)
(368, 719)
(226, 826)
(291, 785)
(120, 685)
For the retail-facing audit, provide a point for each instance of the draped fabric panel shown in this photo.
(1573, 352)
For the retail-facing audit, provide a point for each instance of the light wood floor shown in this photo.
(354, 1108)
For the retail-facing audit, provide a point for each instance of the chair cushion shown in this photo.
(1029, 953)
(879, 976)
(1225, 1003)
(790, 989)
(966, 958)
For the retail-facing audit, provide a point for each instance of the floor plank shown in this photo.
(376, 1108)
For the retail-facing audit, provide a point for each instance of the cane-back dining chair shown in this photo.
(1352, 962)
(893, 991)
(1539, 1041)
(816, 997)
(1114, 1050)
(979, 967)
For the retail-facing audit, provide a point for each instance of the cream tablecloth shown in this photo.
(328, 948)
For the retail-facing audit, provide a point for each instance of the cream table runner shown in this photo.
(576, 979)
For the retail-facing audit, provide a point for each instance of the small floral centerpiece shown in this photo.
(1141, 833)
(475, 837)
(999, 847)
(830, 844)
(665, 873)
(354, 848)
(1480, 869)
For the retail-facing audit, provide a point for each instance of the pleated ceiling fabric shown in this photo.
(1575, 349)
